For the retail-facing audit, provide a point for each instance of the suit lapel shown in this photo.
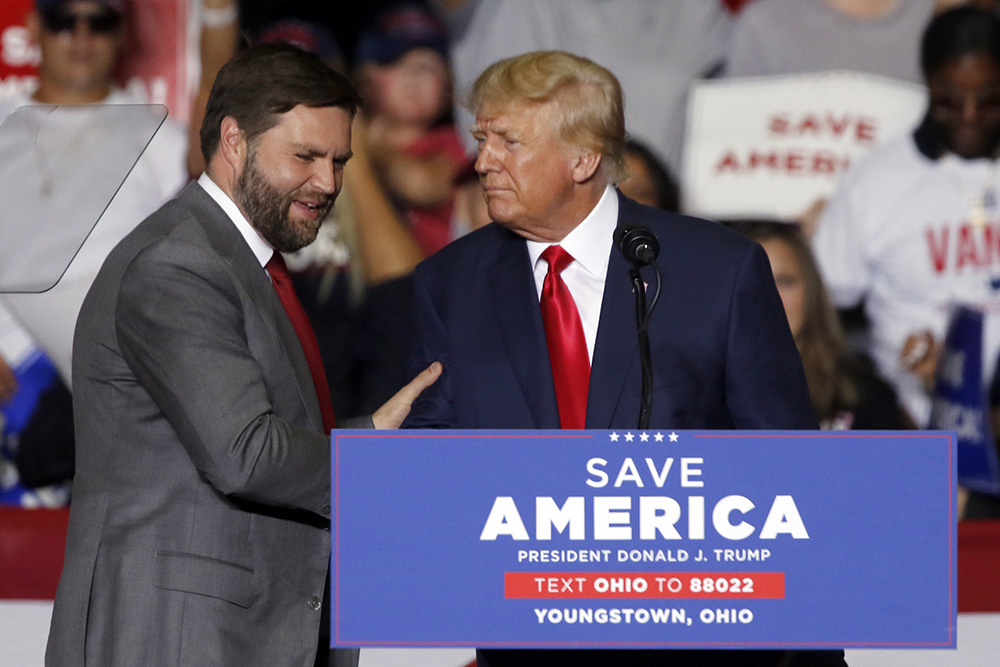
(616, 348)
(227, 241)
(520, 322)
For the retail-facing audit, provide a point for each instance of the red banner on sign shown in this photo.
(646, 585)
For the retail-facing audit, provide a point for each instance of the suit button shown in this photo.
(315, 603)
(326, 509)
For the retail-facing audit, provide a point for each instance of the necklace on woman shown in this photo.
(53, 167)
(982, 205)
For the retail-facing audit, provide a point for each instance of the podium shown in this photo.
(644, 539)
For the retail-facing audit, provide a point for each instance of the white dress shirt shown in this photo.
(590, 245)
(259, 246)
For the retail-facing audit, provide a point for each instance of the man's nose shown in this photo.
(325, 177)
(486, 160)
(82, 27)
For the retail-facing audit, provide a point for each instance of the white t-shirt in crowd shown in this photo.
(900, 234)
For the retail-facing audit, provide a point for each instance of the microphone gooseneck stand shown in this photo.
(640, 247)
(641, 322)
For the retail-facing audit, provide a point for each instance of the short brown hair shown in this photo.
(262, 82)
(589, 98)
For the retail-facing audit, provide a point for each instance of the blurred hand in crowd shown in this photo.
(809, 219)
(8, 383)
(920, 356)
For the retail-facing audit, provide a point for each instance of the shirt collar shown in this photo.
(590, 241)
(261, 250)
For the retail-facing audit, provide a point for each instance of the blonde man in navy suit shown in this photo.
(551, 134)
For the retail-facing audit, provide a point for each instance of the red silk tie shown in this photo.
(568, 354)
(307, 338)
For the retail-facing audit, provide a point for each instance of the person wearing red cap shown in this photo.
(404, 75)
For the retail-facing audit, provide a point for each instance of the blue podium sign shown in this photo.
(633, 539)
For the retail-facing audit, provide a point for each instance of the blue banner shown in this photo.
(630, 539)
(960, 402)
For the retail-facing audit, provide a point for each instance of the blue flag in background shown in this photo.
(35, 374)
(960, 402)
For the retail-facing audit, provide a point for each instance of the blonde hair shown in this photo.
(589, 97)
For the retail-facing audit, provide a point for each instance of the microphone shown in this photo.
(638, 245)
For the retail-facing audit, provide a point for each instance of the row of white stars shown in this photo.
(643, 437)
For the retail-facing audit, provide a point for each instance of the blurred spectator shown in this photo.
(655, 48)
(798, 36)
(80, 43)
(403, 74)
(310, 36)
(912, 228)
(845, 393)
(649, 181)
(219, 36)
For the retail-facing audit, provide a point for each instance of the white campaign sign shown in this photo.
(769, 147)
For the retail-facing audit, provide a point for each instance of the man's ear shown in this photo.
(585, 165)
(232, 144)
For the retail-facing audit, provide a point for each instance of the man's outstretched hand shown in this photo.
(394, 411)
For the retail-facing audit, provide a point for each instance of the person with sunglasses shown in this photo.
(913, 228)
(80, 42)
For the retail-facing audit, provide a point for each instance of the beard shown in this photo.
(269, 211)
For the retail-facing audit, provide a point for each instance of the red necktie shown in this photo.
(567, 347)
(307, 338)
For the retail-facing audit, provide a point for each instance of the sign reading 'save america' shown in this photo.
(769, 147)
(644, 539)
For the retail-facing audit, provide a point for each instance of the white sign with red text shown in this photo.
(769, 147)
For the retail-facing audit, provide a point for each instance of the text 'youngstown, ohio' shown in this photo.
(642, 615)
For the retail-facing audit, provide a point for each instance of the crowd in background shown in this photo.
(411, 187)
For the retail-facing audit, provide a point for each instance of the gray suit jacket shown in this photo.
(199, 527)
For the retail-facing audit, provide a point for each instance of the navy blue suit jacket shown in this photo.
(722, 352)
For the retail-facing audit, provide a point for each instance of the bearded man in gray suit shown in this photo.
(199, 527)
